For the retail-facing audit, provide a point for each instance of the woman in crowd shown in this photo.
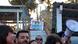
(6, 35)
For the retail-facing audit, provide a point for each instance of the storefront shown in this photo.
(11, 15)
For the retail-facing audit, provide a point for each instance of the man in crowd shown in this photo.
(22, 37)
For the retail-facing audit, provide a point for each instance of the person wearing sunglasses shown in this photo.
(39, 39)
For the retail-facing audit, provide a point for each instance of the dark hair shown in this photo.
(21, 31)
(61, 34)
(52, 39)
(4, 30)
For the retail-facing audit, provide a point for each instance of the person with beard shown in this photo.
(22, 37)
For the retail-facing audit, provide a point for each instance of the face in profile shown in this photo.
(23, 38)
(10, 38)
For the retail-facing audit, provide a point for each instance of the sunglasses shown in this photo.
(39, 39)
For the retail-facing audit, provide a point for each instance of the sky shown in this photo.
(5, 2)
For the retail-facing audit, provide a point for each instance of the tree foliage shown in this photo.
(30, 4)
(46, 16)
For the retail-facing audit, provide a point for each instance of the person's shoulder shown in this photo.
(60, 33)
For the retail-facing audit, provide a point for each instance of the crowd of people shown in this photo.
(7, 36)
